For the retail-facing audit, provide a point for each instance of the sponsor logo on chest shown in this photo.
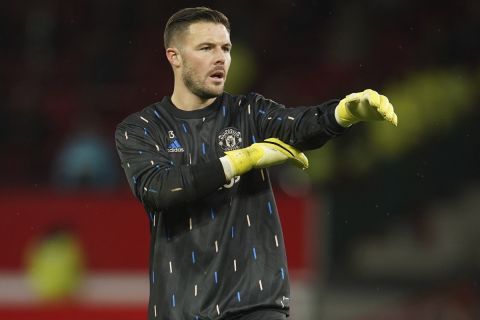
(174, 145)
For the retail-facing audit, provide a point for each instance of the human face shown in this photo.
(205, 52)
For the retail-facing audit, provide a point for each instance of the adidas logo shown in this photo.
(175, 146)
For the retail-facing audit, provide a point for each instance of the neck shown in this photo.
(184, 99)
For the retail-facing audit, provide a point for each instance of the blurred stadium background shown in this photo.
(383, 226)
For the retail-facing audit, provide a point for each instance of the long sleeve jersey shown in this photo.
(217, 248)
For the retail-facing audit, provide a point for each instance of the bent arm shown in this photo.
(154, 179)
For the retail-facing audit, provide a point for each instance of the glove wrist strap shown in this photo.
(227, 168)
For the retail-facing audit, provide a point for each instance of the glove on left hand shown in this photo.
(364, 106)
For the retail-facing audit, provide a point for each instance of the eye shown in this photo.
(205, 48)
(227, 49)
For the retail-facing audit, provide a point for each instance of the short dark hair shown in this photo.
(182, 19)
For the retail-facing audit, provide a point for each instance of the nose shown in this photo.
(220, 56)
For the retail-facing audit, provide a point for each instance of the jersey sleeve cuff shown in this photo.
(333, 126)
(209, 176)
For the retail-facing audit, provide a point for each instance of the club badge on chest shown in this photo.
(230, 139)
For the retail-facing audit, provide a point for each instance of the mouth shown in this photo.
(218, 75)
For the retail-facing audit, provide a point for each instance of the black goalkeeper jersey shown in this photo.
(216, 247)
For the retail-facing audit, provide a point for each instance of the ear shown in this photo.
(173, 56)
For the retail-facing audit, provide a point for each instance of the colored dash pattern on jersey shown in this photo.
(216, 247)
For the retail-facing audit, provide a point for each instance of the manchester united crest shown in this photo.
(230, 139)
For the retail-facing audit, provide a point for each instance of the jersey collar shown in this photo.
(195, 114)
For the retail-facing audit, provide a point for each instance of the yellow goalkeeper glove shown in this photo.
(264, 154)
(364, 106)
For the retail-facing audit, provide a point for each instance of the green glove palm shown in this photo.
(364, 106)
(264, 154)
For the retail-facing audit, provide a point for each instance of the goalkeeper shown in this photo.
(196, 161)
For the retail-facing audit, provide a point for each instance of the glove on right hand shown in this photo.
(267, 153)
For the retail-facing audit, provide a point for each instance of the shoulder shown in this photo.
(137, 127)
(244, 100)
(146, 116)
(258, 101)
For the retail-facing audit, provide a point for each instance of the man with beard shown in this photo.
(196, 160)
